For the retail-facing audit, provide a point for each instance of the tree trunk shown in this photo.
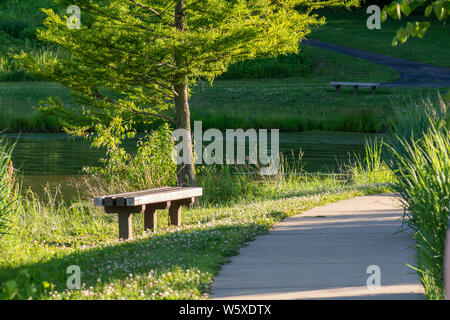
(186, 176)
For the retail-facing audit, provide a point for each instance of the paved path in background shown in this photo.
(413, 74)
(324, 253)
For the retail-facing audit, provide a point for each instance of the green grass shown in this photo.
(18, 23)
(171, 263)
(303, 101)
(349, 28)
(420, 159)
(288, 104)
(49, 235)
(7, 197)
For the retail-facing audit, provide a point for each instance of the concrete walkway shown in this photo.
(413, 74)
(325, 254)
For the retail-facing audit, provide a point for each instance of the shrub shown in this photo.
(150, 167)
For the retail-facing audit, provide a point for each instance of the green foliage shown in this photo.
(425, 186)
(8, 197)
(420, 159)
(126, 59)
(151, 166)
(416, 118)
(395, 10)
(23, 288)
(372, 169)
(291, 65)
(48, 235)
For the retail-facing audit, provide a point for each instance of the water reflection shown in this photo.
(53, 158)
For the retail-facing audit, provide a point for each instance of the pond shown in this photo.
(56, 158)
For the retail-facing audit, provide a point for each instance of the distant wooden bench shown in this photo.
(148, 201)
(355, 86)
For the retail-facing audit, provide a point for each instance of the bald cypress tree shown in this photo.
(130, 59)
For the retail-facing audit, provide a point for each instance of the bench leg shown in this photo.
(355, 90)
(373, 90)
(125, 225)
(150, 218)
(338, 87)
(175, 214)
(175, 210)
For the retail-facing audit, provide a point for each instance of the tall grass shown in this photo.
(420, 159)
(350, 120)
(151, 166)
(8, 195)
(425, 187)
(371, 169)
(413, 120)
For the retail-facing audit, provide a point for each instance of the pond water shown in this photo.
(56, 158)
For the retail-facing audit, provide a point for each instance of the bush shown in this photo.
(151, 166)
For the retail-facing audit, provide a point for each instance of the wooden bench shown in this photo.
(355, 86)
(147, 202)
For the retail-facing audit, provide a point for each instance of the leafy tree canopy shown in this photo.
(395, 10)
(134, 59)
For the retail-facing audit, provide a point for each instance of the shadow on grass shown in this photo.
(202, 249)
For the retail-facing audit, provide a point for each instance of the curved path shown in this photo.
(413, 74)
(325, 253)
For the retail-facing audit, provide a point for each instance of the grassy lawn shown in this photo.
(349, 28)
(304, 101)
(170, 263)
(289, 104)
(19, 101)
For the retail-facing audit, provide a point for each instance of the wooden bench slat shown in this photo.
(167, 195)
(147, 202)
(99, 201)
(355, 86)
(360, 84)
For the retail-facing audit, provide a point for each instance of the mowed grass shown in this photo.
(348, 28)
(305, 103)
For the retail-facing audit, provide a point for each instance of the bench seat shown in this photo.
(147, 202)
(355, 86)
